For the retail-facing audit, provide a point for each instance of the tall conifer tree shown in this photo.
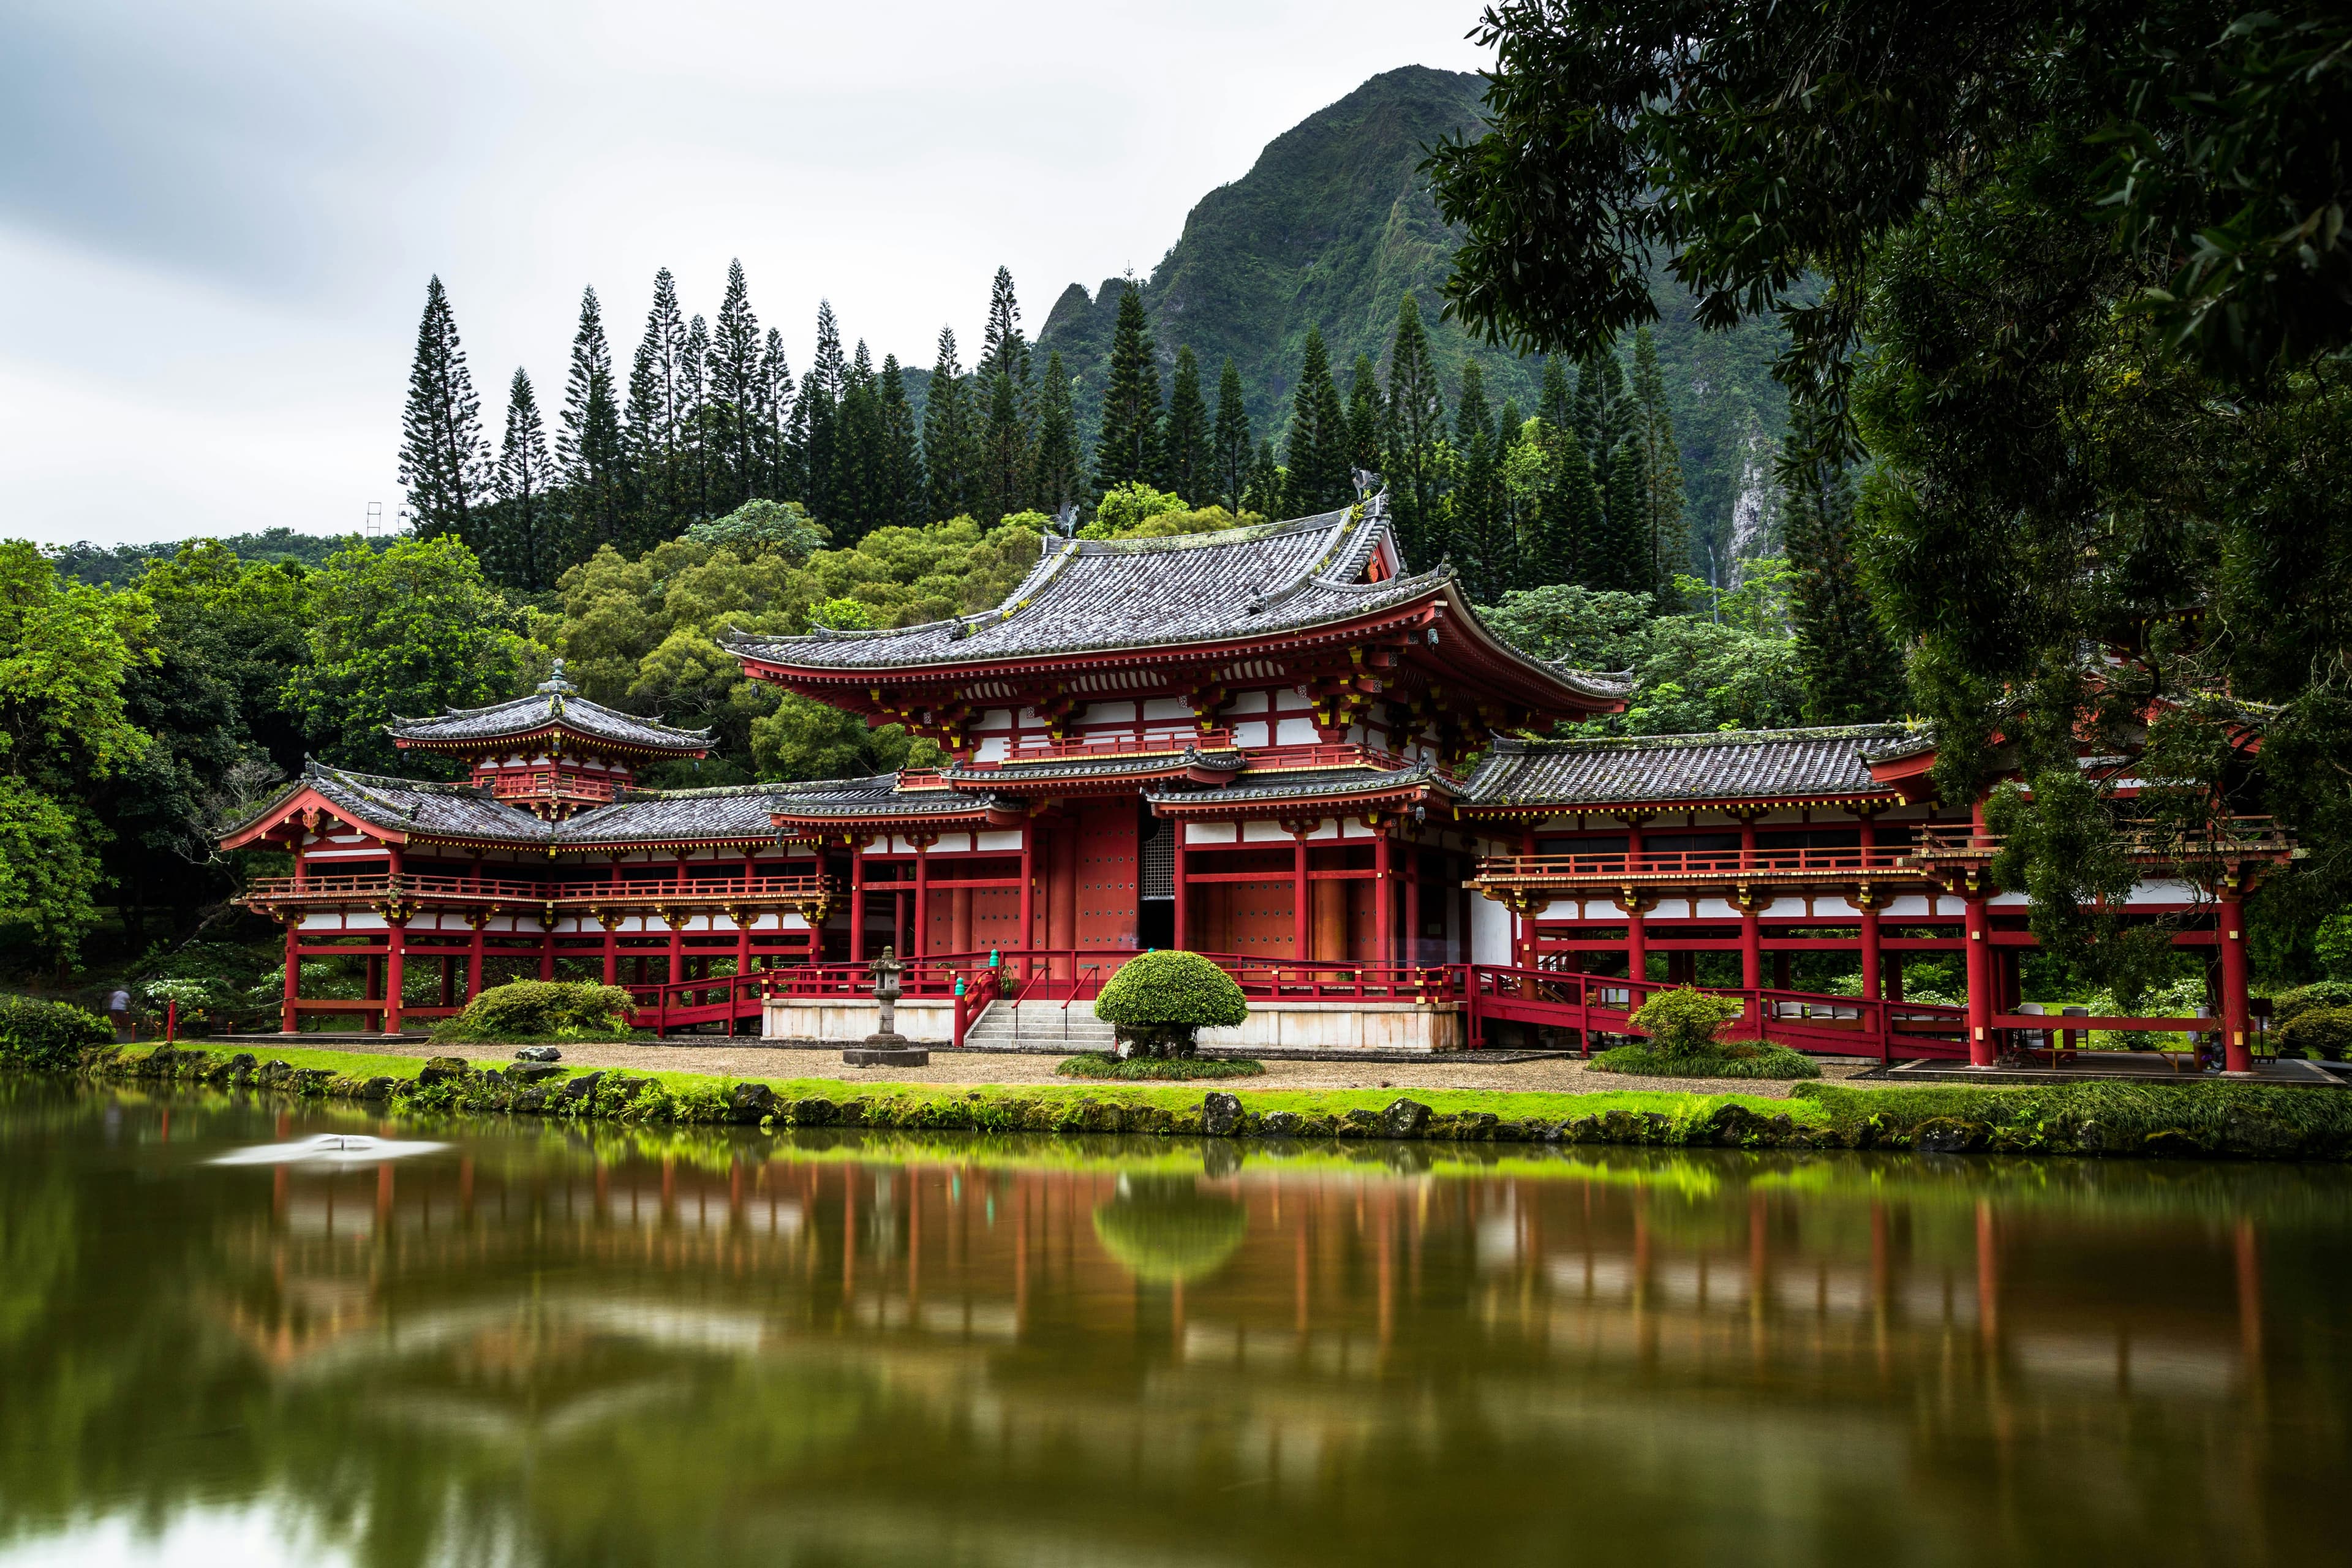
(1058, 477)
(590, 444)
(781, 476)
(1128, 446)
(1262, 492)
(735, 390)
(1625, 558)
(820, 400)
(700, 448)
(1002, 345)
(1483, 548)
(947, 455)
(1319, 481)
(443, 461)
(900, 489)
(1663, 463)
(1005, 459)
(1567, 519)
(1230, 444)
(1366, 412)
(1416, 457)
(659, 409)
(1852, 674)
(1189, 463)
(521, 547)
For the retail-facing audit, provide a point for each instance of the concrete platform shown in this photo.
(2114, 1067)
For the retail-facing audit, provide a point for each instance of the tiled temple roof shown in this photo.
(1274, 785)
(880, 796)
(555, 704)
(1096, 596)
(410, 807)
(1758, 765)
(739, 812)
(1014, 775)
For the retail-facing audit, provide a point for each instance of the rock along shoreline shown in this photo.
(2206, 1121)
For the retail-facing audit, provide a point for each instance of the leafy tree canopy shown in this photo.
(406, 631)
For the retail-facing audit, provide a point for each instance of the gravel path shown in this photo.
(746, 1058)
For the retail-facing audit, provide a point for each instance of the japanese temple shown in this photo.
(1278, 745)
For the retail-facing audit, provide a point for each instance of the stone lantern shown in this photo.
(887, 1048)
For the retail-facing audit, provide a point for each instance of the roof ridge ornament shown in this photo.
(556, 685)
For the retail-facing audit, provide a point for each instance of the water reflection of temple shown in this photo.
(1331, 1280)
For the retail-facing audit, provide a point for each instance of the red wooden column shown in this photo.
(395, 971)
(2236, 1020)
(676, 930)
(287, 1015)
(1029, 886)
(1637, 942)
(1980, 982)
(1179, 871)
(1383, 923)
(1302, 896)
(857, 896)
(478, 919)
(395, 943)
(1523, 934)
(1751, 942)
(612, 953)
(1869, 947)
(1411, 903)
(921, 944)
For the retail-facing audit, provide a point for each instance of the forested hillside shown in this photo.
(1334, 225)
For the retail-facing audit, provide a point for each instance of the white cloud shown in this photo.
(227, 225)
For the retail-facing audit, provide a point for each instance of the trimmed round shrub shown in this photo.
(2325, 1032)
(1102, 1064)
(1158, 1002)
(49, 1034)
(1685, 1022)
(526, 1010)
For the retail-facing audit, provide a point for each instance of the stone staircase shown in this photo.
(1038, 1026)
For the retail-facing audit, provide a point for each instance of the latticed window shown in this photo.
(1158, 859)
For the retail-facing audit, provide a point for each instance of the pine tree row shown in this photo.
(1587, 491)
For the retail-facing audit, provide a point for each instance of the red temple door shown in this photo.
(1108, 861)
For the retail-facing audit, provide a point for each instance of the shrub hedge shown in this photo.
(1102, 1064)
(48, 1034)
(527, 1010)
(1729, 1058)
(2325, 1032)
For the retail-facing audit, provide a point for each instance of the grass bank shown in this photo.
(2126, 1120)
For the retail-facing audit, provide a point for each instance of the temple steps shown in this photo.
(1038, 1025)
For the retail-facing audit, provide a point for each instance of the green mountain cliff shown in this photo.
(1331, 226)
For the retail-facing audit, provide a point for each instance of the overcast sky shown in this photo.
(216, 220)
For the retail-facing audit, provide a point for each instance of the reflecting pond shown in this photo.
(536, 1344)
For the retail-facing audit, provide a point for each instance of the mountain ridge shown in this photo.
(1331, 226)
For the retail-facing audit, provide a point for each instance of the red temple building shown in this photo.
(1277, 745)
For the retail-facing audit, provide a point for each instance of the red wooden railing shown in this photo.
(1169, 744)
(546, 785)
(1691, 865)
(1810, 1021)
(564, 895)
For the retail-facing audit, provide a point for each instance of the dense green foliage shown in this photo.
(1140, 1069)
(48, 1035)
(1171, 989)
(523, 1011)
(2097, 253)
(2323, 1032)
